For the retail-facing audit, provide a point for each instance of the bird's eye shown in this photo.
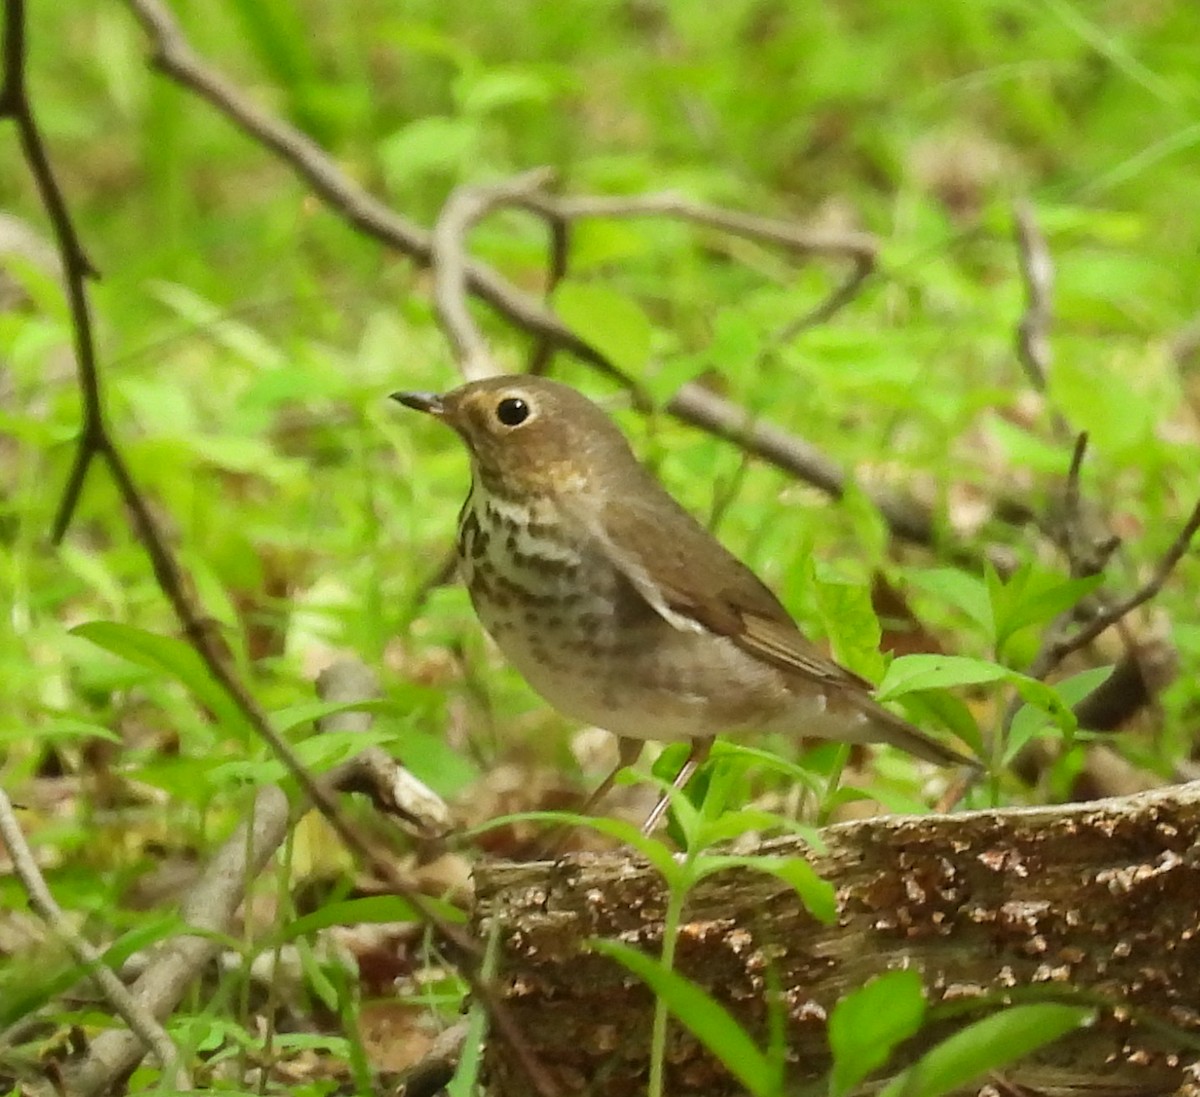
(512, 411)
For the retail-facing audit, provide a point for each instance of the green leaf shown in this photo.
(171, 657)
(797, 773)
(614, 324)
(502, 87)
(1022, 447)
(939, 707)
(1029, 598)
(733, 824)
(428, 145)
(817, 894)
(64, 729)
(309, 712)
(626, 833)
(20, 1001)
(1033, 720)
(909, 673)
(867, 1025)
(1046, 599)
(1047, 699)
(966, 593)
(850, 623)
(374, 909)
(596, 244)
(985, 1046)
(220, 327)
(1119, 418)
(709, 1021)
(93, 569)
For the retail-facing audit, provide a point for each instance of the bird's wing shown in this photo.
(694, 583)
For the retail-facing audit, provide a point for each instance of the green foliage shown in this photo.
(705, 1017)
(868, 1024)
(987, 1045)
(614, 324)
(248, 341)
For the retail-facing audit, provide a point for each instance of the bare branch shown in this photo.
(209, 909)
(1037, 272)
(97, 440)
(430, 1076)
(1113, 614)
(542, 353)
(703, 408)
(1071, 496)
(175, 57)
(841, 296)
(373, 771)
(463, 210)
(145, 1032)
(862, 247)
(908, 518)
(216, 896)
(76, 266)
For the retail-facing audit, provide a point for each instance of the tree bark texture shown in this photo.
(1100, 899)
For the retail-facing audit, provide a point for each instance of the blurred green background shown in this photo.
(248, 337)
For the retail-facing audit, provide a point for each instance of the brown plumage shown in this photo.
(615, 603)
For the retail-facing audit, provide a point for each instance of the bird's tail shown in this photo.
(887, 727)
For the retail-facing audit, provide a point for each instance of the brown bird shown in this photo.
(616, 605)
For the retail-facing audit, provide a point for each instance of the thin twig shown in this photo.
(98, 441)
(909, 519)
(837, 300)
(465, 207)
(1065, 532)
(1111, 616)
(208, 910)
(373, 771)
(859, 246)
(701, 407)
(430, 1076)
(173, 56)
(1037, 273)
(146, 1030)
(214, 899)
(1088, 548)
(1033, 329)
(76, 266)
(1071, 496)
(542, 354)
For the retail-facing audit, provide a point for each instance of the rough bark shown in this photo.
(1101, 898)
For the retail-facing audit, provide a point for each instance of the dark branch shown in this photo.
(1116, 613)
(97, 440)
(76, 267)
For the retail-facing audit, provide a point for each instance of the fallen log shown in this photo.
(1098, 900)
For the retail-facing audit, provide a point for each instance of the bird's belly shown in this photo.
(651, 682)
(588, 643)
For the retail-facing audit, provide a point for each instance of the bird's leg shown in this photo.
(695, 759)
(628, 752)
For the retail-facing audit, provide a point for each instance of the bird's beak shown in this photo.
(429, 402)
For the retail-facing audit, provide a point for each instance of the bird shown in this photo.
(616, 605)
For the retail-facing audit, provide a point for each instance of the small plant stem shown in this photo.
(671, 924)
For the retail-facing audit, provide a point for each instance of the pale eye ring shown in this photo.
(512, 411)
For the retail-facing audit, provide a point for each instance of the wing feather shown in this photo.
(693, 582)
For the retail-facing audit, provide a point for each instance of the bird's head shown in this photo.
(529, 436)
